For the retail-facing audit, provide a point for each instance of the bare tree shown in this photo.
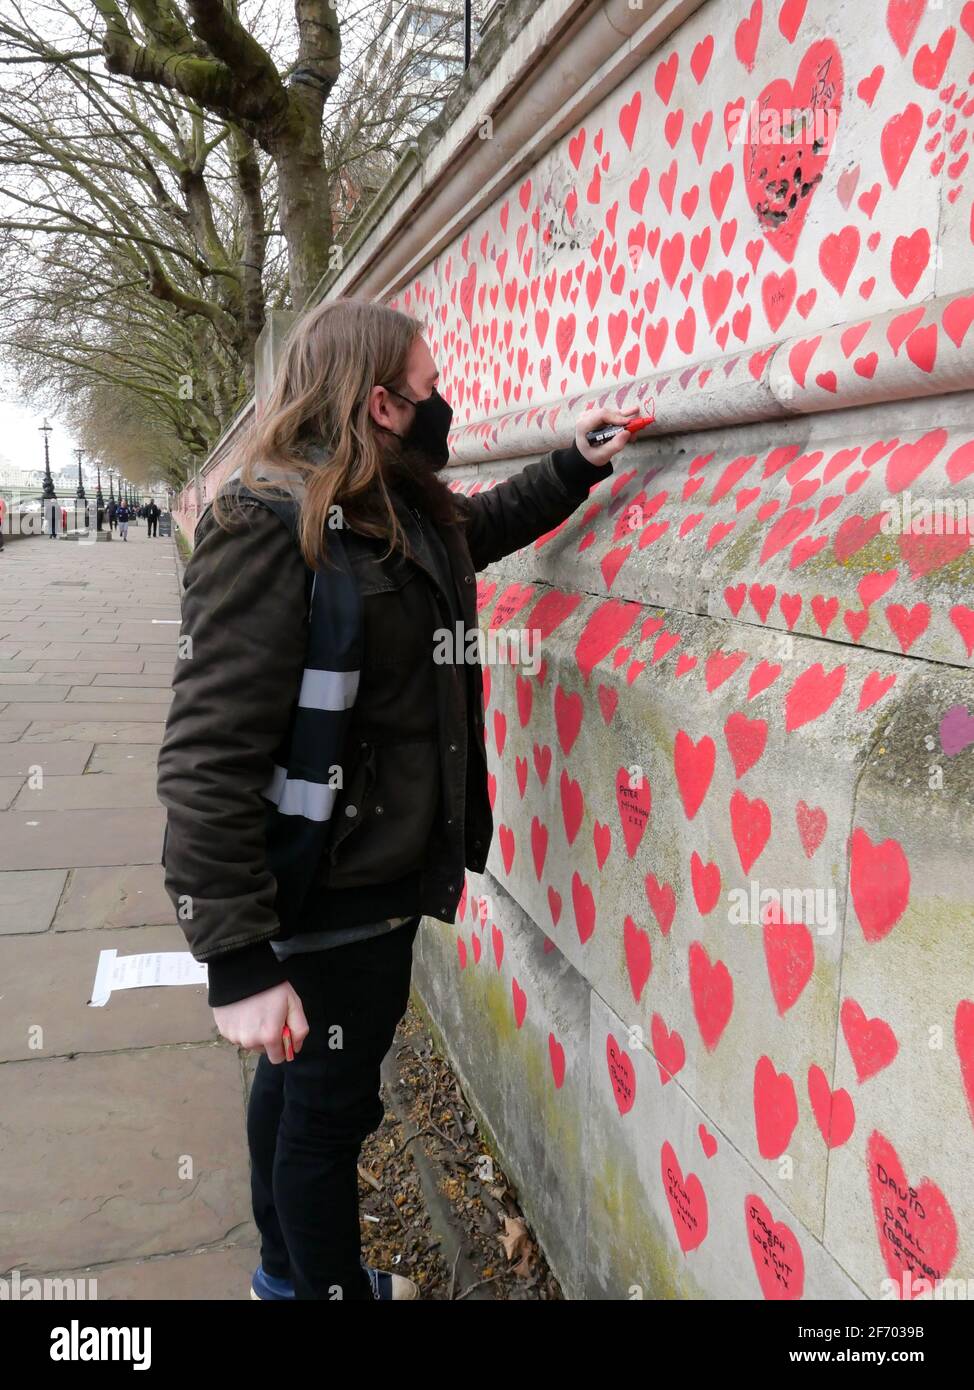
(174, 170)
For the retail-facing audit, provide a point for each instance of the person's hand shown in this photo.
(257, 1022)
(592, 420)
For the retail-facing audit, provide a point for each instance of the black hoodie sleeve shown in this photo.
(518, 510)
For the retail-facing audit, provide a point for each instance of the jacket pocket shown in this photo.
(391, 836)
(352, 805)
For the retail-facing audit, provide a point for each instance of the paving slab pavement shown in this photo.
(123, 1127)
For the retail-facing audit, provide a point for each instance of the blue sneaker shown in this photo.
(266, 1287)
(385, 1287)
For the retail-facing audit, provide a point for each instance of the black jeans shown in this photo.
(307, 1119)
(153, 526)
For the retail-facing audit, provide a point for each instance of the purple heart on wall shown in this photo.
(956, 730)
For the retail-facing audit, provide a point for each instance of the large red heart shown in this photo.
(687, 1199)
(781, 177)
(915, 1225)
(776, 1253)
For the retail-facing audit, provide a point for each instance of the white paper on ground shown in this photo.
(137, 972)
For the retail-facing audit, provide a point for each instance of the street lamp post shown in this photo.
(99, 499)
(80, 494)
(48, 494)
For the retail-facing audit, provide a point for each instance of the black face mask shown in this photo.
(430, 429)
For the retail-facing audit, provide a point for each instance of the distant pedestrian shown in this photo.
(53, 515)
(152, 515)
(124, 516)
(112, 514)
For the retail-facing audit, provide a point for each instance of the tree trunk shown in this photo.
(304, 190)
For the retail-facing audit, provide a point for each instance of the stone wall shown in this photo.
(714, 997)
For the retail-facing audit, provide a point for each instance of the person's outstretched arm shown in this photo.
(533, 502)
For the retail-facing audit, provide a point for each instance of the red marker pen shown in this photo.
(607, 432)
(288, 1045)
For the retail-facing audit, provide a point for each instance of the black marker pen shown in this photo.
(607, 432)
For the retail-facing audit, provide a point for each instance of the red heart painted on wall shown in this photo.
(705, 880)
(687, 1201)
(775, 1109)
(507, 843)
(964, 1041)
(871, 1042)
(776, 1253)
(746, 741)
(621, 1074)
(639, 956)
(572, 804)
(556, 1055)
(789, 953)
(712, 991)
(902, 20)
(583, 902)
(812, 695)
(635, 802)
(874, 687)
(834, 1112)
(520, 1002)
(569, 709)
(751, 828)
(898, 141)
(914, 1223)
(746, 35)
(668, 1049)
(879, 882)
(497, 941)
(662, 899)
(604, 630)
(539, 845)
(812, 823)
(694, 767)
(798, 164)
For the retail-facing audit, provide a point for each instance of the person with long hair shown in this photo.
(323, 766)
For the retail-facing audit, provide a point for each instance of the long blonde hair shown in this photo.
(320, 397)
